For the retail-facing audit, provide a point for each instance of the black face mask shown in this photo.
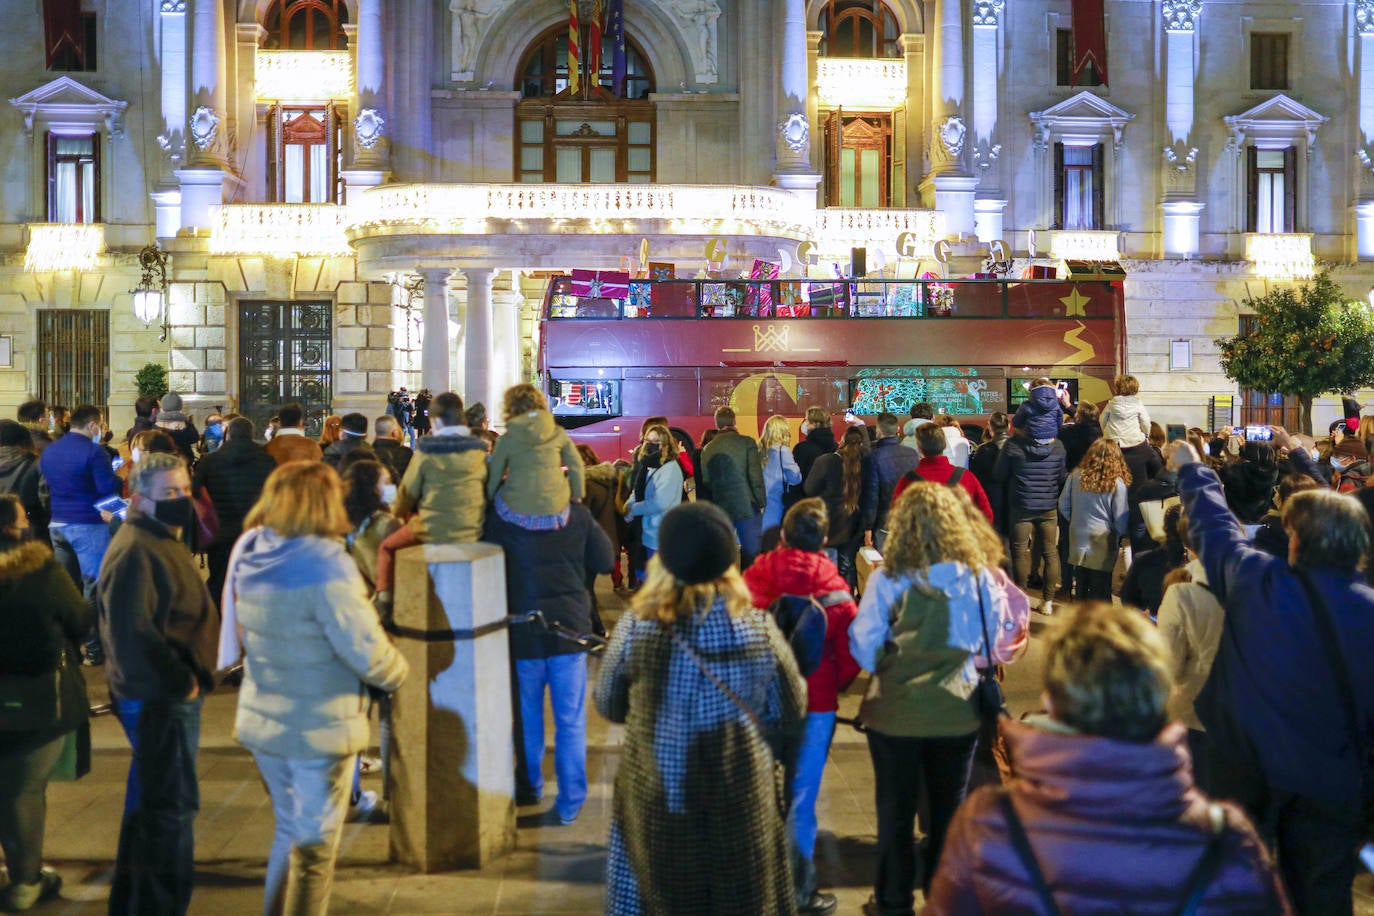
(652, 449)
(175, 513)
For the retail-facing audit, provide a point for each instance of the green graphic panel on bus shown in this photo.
(948, 390)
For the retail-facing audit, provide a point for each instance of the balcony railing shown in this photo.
(1085, 245)
(838, 229)
(306, 230)
(64, 246)
(303, 76)
(468, 209)
(1285, 256)
(861, 85)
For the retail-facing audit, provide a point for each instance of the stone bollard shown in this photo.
(453, 795)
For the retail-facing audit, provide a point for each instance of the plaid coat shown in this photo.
(696, 824)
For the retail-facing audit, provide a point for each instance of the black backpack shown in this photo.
(802, 620)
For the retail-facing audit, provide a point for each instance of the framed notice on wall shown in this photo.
(6, 352)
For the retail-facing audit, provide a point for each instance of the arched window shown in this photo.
(543, 72)
(594, 136)
(306, 25)
(859, 28)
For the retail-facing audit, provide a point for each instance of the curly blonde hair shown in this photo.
(933, 523)
(662, 599)
(522, 398)
(775, 432)
(1102, 466)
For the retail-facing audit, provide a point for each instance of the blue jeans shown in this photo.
(750, 533)
(155, 865)
(565, 676)
(806, 785)
(83, 546)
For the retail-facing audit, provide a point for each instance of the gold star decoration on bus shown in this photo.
(1073, 304)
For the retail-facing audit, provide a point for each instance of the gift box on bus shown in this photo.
(827, 299)
(760, 295)
(601, 284)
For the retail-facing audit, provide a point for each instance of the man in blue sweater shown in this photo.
(1277, 723)
(79, 475)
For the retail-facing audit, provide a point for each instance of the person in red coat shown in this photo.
(798, 567)
(936, 468)
(1103, 789)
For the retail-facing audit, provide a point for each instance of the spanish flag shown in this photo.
(574, 57)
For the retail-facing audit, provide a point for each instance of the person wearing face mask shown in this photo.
(45, 617)
(212, 437)
(79, 475)
(234, 477)
(656, 487)
(160, 630)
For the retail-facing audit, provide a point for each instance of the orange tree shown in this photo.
(1307, 342)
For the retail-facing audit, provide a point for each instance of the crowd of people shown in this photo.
(1202, 746)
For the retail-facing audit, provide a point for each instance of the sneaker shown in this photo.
(20, 897)
(369, 765)
(819, 905)
(1047, 608)
(362, 808)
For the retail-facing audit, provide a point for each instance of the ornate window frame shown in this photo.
(1278, 123)
(1084, 119)
(65, 107)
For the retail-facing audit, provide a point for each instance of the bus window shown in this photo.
(1018, 390)
(598, 398)
(765, 392)
(949, 390)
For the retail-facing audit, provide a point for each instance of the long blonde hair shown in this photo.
(933, 523)
(301, 498)
(775, 432)
(1102, 466)
(662, 599)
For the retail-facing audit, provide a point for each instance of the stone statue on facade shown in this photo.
(470, 22)
(701, 16)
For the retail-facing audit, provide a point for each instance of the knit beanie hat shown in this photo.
(696, 543)
(170, 402)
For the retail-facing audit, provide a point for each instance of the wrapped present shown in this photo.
(637, 306)
(659, 270)
(827, 299)
(601, 284)
(791, 302)
(760, 295)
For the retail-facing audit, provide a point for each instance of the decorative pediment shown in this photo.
(1083, 118)
(66, 103)
(1275, 123)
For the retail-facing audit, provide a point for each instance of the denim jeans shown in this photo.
(83, 546)
(155, 865)
(750, 533)
(806, 785)
(1025, 531)
(310, 803)
(565, 677)
(24, 779)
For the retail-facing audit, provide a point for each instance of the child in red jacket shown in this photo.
(798, 567)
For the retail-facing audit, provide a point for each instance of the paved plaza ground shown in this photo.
(554, 869)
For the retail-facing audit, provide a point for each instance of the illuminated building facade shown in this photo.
(358, 194)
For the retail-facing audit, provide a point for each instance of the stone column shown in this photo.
(1364, 209)
(949, 182)
(477, 338)
(434, 352)
(369, 147)
(1181, 210)
(202, 181)
(453, 803)
(988, 208)
(172, 139)
(793, 140)
(506, 339)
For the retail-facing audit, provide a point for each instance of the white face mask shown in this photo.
(1339, 464)
(388, 493)
(134, 454)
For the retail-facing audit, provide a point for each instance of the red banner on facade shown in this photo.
(62, 25)
(594, 45)
(574, 57)
(1089, 38)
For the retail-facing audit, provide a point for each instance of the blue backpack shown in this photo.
(802, 620)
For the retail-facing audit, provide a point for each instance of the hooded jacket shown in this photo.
(789, 571)
(42, 610)
(1033, 475)
(818, 442)
(1116, 827)
(311, 640)
(1040, 415)
(234, 476)
(443, 486)
(1126, 421)
(20, 475)
(530, 458)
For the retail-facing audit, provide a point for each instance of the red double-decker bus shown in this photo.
(683, 348)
